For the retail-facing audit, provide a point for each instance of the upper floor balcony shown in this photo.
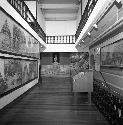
(88, 10)
(65, 39)
(21, 7)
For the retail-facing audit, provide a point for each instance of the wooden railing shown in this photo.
(69, 39)
(88, 10)
(23, 10)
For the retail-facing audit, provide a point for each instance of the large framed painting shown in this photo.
(33, 69)
(112, 55)
(25, 71)
(14, 73)
(16, 39)
(3, 85)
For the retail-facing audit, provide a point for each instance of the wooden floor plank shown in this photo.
(52, 103)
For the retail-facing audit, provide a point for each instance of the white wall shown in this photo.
(78, 17)
(40, 18)
(10, 97)
(32, 7)
(60, 48)
(54, 28)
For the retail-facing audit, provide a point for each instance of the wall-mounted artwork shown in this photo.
(3, 85)
(13, 73)
(25, 71)
(33, 67)
(112, 55)
(16, 72)
(35, 49)
(14, 38)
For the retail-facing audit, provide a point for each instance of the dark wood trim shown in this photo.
(81, 8)
(87, 11)
(4, 57)
(36, 9)
(15, 54)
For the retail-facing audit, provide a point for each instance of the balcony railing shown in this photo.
(69, 39)
(88, 10)
(23, 10)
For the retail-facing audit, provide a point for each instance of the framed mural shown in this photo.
(3, 85)
(15, 73)
(16, 39)
(112, 55)
(33, 69)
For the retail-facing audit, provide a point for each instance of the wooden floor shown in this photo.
(52, 103)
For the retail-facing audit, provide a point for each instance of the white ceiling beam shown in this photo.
(59, 6)
(64, 11)
(60, 19)
(47, 15)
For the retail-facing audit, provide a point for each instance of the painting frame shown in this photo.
(112, 55)
(10, 89)
(19, 27)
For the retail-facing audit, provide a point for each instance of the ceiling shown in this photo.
(59, 10)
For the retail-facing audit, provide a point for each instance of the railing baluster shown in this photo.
(69, 39)
(66, 39)
(23, 10)
(60, 40)
(63, 39)
(88, 10)
(53, 39)
(50, 39)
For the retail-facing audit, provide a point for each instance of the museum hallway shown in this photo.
(51, 102)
